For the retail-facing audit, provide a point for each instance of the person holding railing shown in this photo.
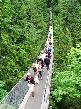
(31, 82)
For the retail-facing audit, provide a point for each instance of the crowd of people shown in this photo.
(42, 62)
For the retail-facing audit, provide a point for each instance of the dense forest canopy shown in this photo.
(24, 26)
(66, 81)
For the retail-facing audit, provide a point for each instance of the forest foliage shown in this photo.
(24, 26)
(66, 81)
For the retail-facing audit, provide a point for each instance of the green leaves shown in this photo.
(3, 92)
(1, 84)
(66, 83)
(23, 35)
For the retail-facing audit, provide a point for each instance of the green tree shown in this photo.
(66, 83)
(23, 34)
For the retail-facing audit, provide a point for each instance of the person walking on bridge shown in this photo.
(31, 83)
(40, 70)
(36, 73)
(47, 62)
(40, 60)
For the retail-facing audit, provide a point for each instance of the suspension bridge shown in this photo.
(20, 95)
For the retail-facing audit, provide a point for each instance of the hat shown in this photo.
(28, 74)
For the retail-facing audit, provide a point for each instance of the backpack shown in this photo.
(35, 69)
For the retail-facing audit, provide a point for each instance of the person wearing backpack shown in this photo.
(47, 62)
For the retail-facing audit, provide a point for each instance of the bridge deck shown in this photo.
(35, 102)
(19, 93)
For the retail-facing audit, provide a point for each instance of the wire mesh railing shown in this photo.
(45, 99)
(15, 97)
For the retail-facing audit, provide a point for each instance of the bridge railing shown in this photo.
(15, 97)
(46, 93)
